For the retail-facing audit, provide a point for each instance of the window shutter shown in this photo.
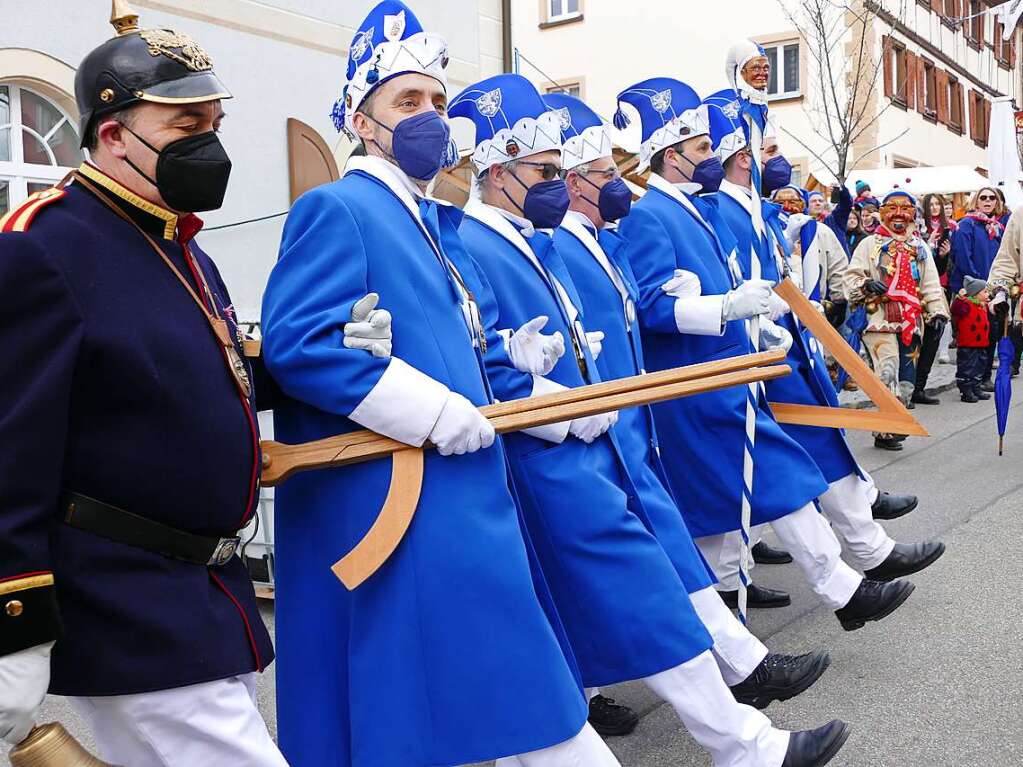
(921, 86)
(889, 75)
(942, 101)
(912, 62)
(997, 40)
(936, 6)
(985, 130)
(973, 114)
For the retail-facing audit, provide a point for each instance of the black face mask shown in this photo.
(191, 173)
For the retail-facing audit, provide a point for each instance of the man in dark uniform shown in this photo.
(127, 416)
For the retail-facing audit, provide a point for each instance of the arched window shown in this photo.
(38, 144)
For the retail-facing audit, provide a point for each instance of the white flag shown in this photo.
(1008, 13)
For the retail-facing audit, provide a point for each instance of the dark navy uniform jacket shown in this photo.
(114, 386)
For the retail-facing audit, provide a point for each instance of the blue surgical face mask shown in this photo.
(614, 200)
(708, 174)
(546, 203)
(420, 145)
(777, 173)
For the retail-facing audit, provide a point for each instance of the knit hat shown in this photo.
(861, 187)
(973, 285)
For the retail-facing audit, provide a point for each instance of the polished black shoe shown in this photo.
(757, 596)
(981, 393)
(609, 718)
(987, 385)
(893, 506)
(970, 397)
(911, 405)
(815, 748)
(923, 398)
(873, 601)
(888, 443)
(780, 677)
(906, 559)
(765, 555)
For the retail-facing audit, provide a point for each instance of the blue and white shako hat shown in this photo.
(390, 42)
(726, 128)
(669, 112)
(584, 135)
(512, 121)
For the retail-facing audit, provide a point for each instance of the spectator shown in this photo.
(853, 233)
(969, 312)
(938, 233)
(838, 218)
(974, 246)
(862, 191)
(1003, 212)
(950, 210)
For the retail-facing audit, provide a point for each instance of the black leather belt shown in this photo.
(85, 513)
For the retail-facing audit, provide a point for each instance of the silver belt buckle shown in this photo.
(225, 549)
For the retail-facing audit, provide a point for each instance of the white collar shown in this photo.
(740, 194)
(581, 227)
(501, 221)
(676, 191)
(580, 218)
(395, 178)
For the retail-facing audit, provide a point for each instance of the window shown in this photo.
(784, 80)
(980, 118)
(898, 83)
(563, 10)
(955, 105)
(38, 144)
(574, 88)
(930, 90)
(950, 12)
(974, 26)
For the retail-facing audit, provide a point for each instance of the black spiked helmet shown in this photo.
(154, 65)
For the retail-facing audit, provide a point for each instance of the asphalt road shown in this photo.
(940, 682)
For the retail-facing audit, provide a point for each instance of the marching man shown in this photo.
(131, 451)
(692, 307)
(845, 503)
(448, 638)
(626, 611)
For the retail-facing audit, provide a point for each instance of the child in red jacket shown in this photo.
(969, 312)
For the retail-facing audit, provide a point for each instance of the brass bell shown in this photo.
(50, 745)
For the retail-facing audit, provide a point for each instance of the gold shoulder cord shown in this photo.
(217, 324)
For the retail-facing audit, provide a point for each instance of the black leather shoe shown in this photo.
(923, 398)
(873, 601)
(815, 748)
(893, 506)
(780, 677)
(757, 596)
(765, 555)
(609, 718)
(888, 443)
(987, 385)
(970, 397)
(981, 393)
(906, 559)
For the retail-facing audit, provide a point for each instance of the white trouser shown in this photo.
(722, 553)
(845, 505)
(868, 486)
(734, 734)
(815, 549)
(736, 650)
(203, 724)
(584, 750)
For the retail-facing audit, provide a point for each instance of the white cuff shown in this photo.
(552, 432)
(404, 405)
(700, 315)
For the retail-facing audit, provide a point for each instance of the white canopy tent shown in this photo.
(943, 179)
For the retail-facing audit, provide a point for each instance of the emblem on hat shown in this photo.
(178, 47)
(661, 101)
(564, 118)
(489, 103)
(361, 42)
(394, 26)
(731, 110)
(511, 148)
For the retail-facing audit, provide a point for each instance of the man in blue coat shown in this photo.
(626, 611)
(845, 503)
(692, 306)
(448, 639)
(589, 245)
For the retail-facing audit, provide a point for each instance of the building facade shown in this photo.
(925, 95)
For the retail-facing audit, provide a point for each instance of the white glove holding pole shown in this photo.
(1000, 297)
(595, 340)
(461, 428)
(751, 298)
(369, 328)
(774, 336)
(794, 227)
(589, 428)
(777, 307)
(533, 352)
(24, 679)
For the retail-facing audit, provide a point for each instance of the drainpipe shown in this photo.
(506, 35)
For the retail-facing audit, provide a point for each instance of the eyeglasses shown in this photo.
(987, 198)
(904, 209)
(759, 69)
(608, 175)
(548, 170)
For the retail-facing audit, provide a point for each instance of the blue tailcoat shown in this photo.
(809, 383)
(443, 656)
(703, 437)
(973, 252)
(607, 309)
(626, 612)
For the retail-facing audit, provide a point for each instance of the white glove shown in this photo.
(751, 298)
(777, 307)
(461, 428)
(594, 339)
(794, 226)
(684, 284)
(818, 306)
(774, 336)
(24, 678)
(369, 328)
(533, 352)
(1000, 297)
(589, 428)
